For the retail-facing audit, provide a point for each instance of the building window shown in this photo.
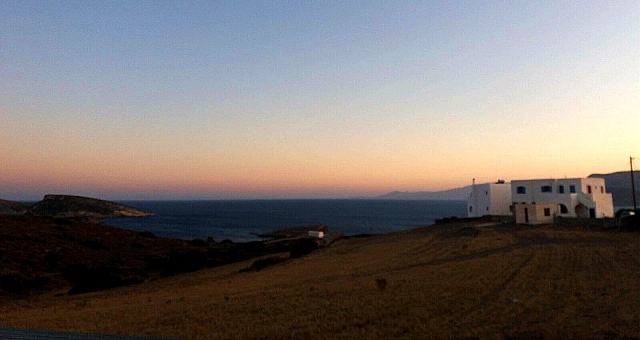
(588, 189)
(602, 190)
(572, 189)
(561, 189)
(487, 208)
(486, 193)
(511, 208)
(547, 212)
(521, 190)
(470, 209)
(546, 188)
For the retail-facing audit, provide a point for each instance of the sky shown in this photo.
(311, 99)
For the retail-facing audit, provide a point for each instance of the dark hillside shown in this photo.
(11, 207)
(40, 254)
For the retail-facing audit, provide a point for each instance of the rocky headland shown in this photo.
(69, 206)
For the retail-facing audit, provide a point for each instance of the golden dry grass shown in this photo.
(444, 281)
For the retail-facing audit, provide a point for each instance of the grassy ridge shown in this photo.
(462, 280)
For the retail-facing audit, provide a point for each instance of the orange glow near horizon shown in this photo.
(358, 106)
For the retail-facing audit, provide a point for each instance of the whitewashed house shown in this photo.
(489, 199)
(540, 201)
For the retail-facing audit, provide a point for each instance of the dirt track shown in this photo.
(462, 280)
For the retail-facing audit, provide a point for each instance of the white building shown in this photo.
(489, 199)
(541, 200)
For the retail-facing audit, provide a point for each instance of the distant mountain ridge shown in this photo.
(71, 206)
(457, 194)
(617, 183)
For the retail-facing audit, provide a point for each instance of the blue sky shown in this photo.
(276, 99)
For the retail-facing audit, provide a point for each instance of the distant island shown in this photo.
(67, 206)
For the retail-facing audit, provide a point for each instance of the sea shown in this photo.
(242, 220)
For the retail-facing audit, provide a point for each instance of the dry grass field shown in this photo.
(459, 280)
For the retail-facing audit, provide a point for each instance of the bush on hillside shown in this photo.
(85, 279)
(262, 264)
(304, 247)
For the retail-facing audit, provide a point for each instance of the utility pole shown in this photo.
(475, 199)
(633, 185)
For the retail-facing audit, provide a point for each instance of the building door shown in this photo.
(592, 212)
(526, 215)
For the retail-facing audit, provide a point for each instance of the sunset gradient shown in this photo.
(239, 99)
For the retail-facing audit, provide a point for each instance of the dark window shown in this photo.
(487, 208)
(588, 189)
(547, 212)
(546, 188)
(521, 190)
(602, 190)
(470, 209)
(486, 193)
(511, 208)
(561, 189)
(572, 189)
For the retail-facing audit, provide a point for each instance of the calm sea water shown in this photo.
(237, 220)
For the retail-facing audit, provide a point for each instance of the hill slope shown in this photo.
(451, 281)
(40, 254)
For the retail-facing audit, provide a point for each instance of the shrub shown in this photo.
(262, 264)
(146, 234)
(184, 261)
(61, 221)
(14, 283)
(304, 247)
(94, 244)
(198, 242)
(137, 245)
(53, 259)
(381, 284)
(86, 279)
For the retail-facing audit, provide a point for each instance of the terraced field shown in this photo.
(459, 280)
